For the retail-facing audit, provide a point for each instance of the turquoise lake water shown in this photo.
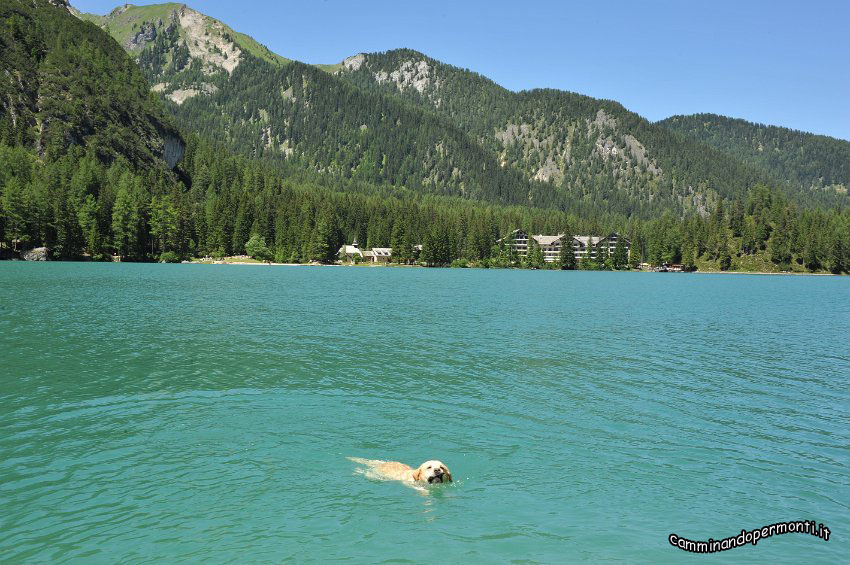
(204, 413)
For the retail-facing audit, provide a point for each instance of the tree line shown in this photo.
(214, 204)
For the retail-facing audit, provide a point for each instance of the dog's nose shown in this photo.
(438, 472)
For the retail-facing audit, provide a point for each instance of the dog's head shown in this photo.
(432, 472)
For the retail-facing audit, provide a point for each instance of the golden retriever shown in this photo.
(431, 472)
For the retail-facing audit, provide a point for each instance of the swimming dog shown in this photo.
(431, 472)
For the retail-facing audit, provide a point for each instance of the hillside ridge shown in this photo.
(542, 147)
(808, 160)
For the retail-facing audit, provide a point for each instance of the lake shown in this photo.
(205, 413)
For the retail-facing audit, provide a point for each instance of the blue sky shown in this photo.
(780, 62)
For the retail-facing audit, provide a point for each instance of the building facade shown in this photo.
(583, 245)
(382, 254)
(550, 245)
(350, 252)
(517, 241)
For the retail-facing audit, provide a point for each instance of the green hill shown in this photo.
(588, 147)
(395, 158)
(81, 134)
(66, 84)
(230, 89)
(805, 160)
(402, 119)
(135, 27)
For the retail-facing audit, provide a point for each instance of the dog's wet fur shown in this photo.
(430, 472)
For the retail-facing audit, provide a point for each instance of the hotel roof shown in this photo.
(547, 239)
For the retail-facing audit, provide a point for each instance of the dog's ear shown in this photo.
(417, 474)
(447, 473)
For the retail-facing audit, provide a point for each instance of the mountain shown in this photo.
(207, 39)
(229, 88)
(402, 119)
(65, 83)
(81, 135)
(805, 160)
(391, 152)
(576, 142)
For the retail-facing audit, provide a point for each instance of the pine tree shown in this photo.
(69, 240)
(567, 258)
(838, 251)
(748, 237)
(406, 248)
(620, 259)
(634, 259)
(634, 254)
(242, 225)
(762, 229)
(400, 242)
(736, 218)
(810, 254)
(163, 223)
(724, 255)
(602, 255)
(326, 239)
(534, 259)
(87, 217)
(14, 211)
(321, 248)
(427, 256)
(780, 248)
(689, 258)
(281, 249)
(125, 220)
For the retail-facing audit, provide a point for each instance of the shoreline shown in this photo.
(255, 263)
(765, 273)
(381, 265)
(394, 266)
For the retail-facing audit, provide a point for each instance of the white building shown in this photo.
(584, 244)
(380, 254)
(349, 252)
(517, 240)
(550, 245)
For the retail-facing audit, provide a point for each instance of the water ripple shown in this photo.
(152, 412)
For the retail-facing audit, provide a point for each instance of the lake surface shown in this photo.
(204, 413)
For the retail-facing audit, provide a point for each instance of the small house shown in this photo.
(382, 254)
(350, 252)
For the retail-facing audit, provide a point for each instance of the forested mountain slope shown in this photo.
(64, 83)
(803, 159)
(228, 88)
(584, 145)
(82, 138)
(402, 119)
(85, 169)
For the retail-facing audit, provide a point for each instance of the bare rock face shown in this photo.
(354, 62)
(182, 94)
(146, 34)
(411, 74)
(37, 254)
(207, 41)
(172, 150)
(548, 171)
